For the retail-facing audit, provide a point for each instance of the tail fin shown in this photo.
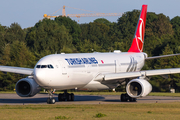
(138, 40)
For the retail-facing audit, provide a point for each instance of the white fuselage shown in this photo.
(69, 71)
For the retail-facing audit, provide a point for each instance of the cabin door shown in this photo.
(63, 67)
(117, 66)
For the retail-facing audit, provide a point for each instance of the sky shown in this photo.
(28, 12)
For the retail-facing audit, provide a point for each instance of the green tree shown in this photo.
(167, 62)
(3, 30)
(47, 37)
(127, 25)
(17, 54)
(158, 31)
(96, 33)
(15, 32)
(176, 27)
(71, 26)
(89, 47)
(104, 21)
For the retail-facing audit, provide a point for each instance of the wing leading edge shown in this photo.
(18, 70)
(146, 73)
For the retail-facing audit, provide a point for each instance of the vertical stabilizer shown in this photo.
(138, 40)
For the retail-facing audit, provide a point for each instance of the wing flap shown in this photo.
(18, 70)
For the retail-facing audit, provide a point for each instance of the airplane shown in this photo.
(92, 71)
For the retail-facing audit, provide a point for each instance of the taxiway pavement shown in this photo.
(14, 99)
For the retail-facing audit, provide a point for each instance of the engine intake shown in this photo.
(27, 87)
(138, 88)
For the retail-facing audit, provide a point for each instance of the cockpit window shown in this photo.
(38, 66)
(45, 66)
(51, 66)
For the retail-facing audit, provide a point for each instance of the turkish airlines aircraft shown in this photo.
(92, 71)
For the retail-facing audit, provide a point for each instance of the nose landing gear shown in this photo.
(50, 100)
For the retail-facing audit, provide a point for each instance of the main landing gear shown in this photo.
(126, 97)
(66, 96)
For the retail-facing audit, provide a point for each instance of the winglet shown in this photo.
(138, 40)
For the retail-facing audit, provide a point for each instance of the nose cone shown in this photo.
(40, 77)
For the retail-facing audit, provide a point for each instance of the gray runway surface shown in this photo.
(14, 99)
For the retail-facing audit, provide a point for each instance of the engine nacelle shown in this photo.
(138, 88)
(27, 87)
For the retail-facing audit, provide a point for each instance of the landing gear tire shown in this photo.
(51, 101)
(61, 97)
(126, 97)
(66, 96)
(132, 99)
(70, 97)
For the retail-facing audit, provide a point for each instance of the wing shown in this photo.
(18, 70)
(146, 73)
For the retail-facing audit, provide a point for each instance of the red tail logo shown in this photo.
(138, 40)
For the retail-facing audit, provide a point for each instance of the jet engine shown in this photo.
(27, 87)
(138, 88)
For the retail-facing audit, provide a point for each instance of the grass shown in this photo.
(1, 92)
(149, 111)
(99, 115)
(61, 117)
(164, 94)
(158, 111)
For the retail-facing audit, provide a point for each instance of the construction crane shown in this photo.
(95, 14)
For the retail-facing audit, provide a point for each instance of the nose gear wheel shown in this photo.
(50, 100)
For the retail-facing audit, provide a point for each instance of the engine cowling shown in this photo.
(27, 87)
(138, 88)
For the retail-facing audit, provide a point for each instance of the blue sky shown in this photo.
(28, 12)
